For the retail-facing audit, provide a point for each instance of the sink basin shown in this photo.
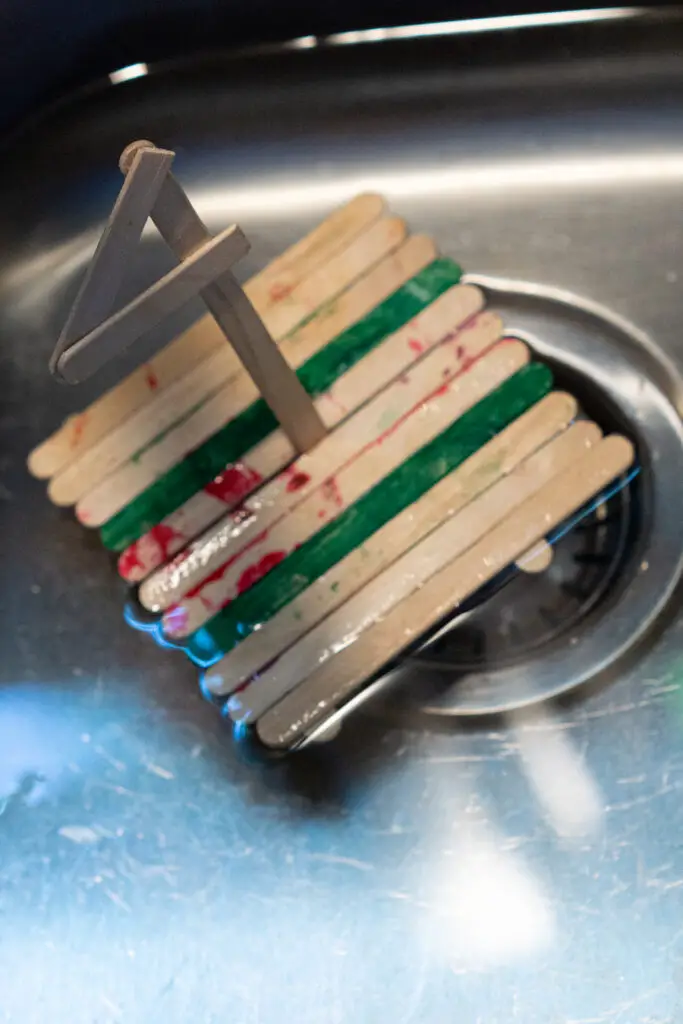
(423, 865)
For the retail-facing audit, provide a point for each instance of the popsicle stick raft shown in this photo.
(327, 464)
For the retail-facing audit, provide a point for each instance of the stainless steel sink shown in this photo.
(420, 866)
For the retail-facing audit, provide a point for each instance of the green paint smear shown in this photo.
(356, 524)
(255, 423)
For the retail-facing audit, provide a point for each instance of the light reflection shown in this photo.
(468, 26)
(484, 907)
(564, 786)
(127, 74)
(473, 180)
(33, 279)
(489, 909)
(303, 43)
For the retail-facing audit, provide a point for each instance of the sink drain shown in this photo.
(539, 636)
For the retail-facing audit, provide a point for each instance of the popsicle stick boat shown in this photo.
(318, 473)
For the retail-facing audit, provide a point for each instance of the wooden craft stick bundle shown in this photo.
(293, 558)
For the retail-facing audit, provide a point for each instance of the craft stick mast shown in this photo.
(92, 335)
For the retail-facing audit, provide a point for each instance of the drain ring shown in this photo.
(641, 392)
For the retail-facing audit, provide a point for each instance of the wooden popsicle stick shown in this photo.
(278, 385)
(187, 392)
(500, 456)
(312, 470)
(266, 289)
(121, 234)
(348, 393)
(118, 332)
(329, 686)
(392, 432)
(118, 489)
(411, 570)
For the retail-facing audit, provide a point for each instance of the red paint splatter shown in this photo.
(234, 483)
(130, 566)
(297, 481)
(219, 573)
(416, 346)
(77, 428)
(213, 577)
(332, 492)
(160, 538)
(163, 536)
(258, 570)
(321, 513)
(151, 378)
(279, 292)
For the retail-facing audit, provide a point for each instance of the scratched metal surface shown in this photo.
(523, 869)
